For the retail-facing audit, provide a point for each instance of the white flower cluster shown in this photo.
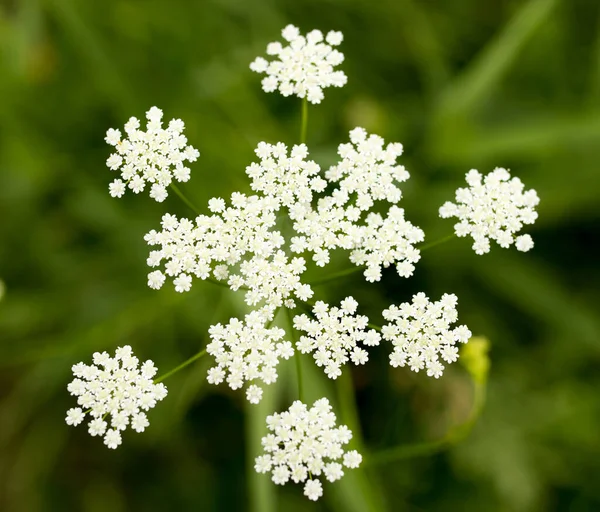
(273, 280)
(191, 248)
(304, 444)
(154, 156)
(421, 333)
(387, 241)
(334, 336)
(368, 169)
(366, 173)
(290, 179)
(114, 386)
(493, 208)
(247, 351)
(305, 67)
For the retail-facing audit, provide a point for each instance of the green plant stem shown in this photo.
(437, 242)
(296, 357)
(304, 123)
(348, 408)
(181, 366)
(336, 275)
(184, 199)
(452, 437)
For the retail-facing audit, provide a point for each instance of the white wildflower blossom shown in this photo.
(421, 334)
(197, 248)
(274, 281)
(304, 444)
(387, 241)
(494, 207)
(368, 170)
(334, 336)
(367, 173)
(247, 351)
(304, 67)
(156, 156)
(290, 179)
(117, 387)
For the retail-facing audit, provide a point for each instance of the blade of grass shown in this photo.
(491, 64)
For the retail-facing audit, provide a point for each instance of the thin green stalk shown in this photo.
(437, 242)
(452, 437)
(296, 357)
(304, 124)
(184, 199)
(336, 275)
(181, 366)
(348, 408)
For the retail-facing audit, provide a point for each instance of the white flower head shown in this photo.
(288, 178)
(154, 157)
(304, 444)
(274, 281)
(304, 67)
(247, 351)
(368, 169)
(213, 243)
(334, 337)
(421, 334)
(495, 207)
(116, 392)
(386, 241)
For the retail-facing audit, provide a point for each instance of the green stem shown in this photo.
(184, 199)
(296, 356)
(348, 409)
(437, 242)
(304, 124)
(452, 437)
(181, 366)
(336, 275)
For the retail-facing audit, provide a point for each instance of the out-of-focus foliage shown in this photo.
(463, 84)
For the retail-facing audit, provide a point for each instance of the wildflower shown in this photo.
(387, 241)
(304, 67)
(155, 156)
(115, 386)
(247, 351)
(368, 170)
(420, 333)
(304, 444)
(494, 208)
(273, 280)
(212, 243)
(335, 335)
(290, 179)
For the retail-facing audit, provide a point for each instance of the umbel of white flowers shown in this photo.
(334, 336)
(304, 444)
(117, 387)
(305, 67)
(247, 351)
(494, 208)
(155, 156)
(420, 333)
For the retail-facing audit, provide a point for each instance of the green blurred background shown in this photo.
(462, 84)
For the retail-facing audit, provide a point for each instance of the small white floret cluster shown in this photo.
(305, 444)
(155, 156)
(421, 334)
(368, 169)
(247, 351)
(290, 179)
(495, 207)
(366, 173)
(334, 336)
(304, 67)
(114, 386)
